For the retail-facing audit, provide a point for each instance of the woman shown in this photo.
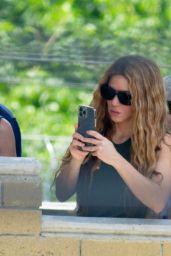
(128, 170)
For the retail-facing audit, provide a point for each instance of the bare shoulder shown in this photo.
(165, 152)
(7, 139)
(166, 143)
(167, 138)
(163, 165)
(5, 127)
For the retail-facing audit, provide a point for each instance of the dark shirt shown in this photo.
(103, 193)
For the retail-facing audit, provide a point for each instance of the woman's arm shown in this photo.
(7, 139)
(152, 193)
(66, 181)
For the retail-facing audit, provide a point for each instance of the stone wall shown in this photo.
(24, 231)
(20, 196)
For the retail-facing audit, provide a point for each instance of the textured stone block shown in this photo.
(38, 246)
(167, 248)
(0, 194)
(20, 222)
(22, 192)
(120, 248)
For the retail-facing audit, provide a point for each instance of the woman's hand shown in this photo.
(102, 147)
(76, 147)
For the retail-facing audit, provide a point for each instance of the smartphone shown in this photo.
(86, 121)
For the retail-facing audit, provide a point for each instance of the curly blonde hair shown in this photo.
(149, 110)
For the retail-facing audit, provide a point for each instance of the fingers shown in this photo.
(95, 134)
(77, 143)
(80, 141)
(78, 136)
(90, 148)
(92, 141)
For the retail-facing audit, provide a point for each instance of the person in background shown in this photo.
(166, 213)
(167, 81)
(128, 169)
(7, 139)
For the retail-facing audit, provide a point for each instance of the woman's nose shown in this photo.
(115, 100)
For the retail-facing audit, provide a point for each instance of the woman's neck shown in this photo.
(121, 133)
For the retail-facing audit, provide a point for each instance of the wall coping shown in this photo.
(73, 225)
(19, 166)
(57, 206)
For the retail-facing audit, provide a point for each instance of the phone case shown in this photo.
(86, 120)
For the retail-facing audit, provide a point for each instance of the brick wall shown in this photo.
(24, 231)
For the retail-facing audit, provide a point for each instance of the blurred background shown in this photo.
(53, 53)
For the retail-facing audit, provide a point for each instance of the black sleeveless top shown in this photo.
(103, 193)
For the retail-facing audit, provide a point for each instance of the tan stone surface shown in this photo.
(22, 192)
(20, 222)
(35, 246)
(167, 249)
(0, 194)
(120, 248)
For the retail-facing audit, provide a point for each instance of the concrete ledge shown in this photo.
(19, 166)
(111, 236)
(113, 227)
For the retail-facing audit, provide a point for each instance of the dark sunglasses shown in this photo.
(108, 93)
(169, 106)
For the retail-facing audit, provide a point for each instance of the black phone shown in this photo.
(86, 120)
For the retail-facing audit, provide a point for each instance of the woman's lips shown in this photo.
(114, 112)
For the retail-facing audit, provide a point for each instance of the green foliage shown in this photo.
(42, 110)
(53, 53)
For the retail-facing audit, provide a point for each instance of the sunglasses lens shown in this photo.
(109, 93)
(124, 98)
(169, 106)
